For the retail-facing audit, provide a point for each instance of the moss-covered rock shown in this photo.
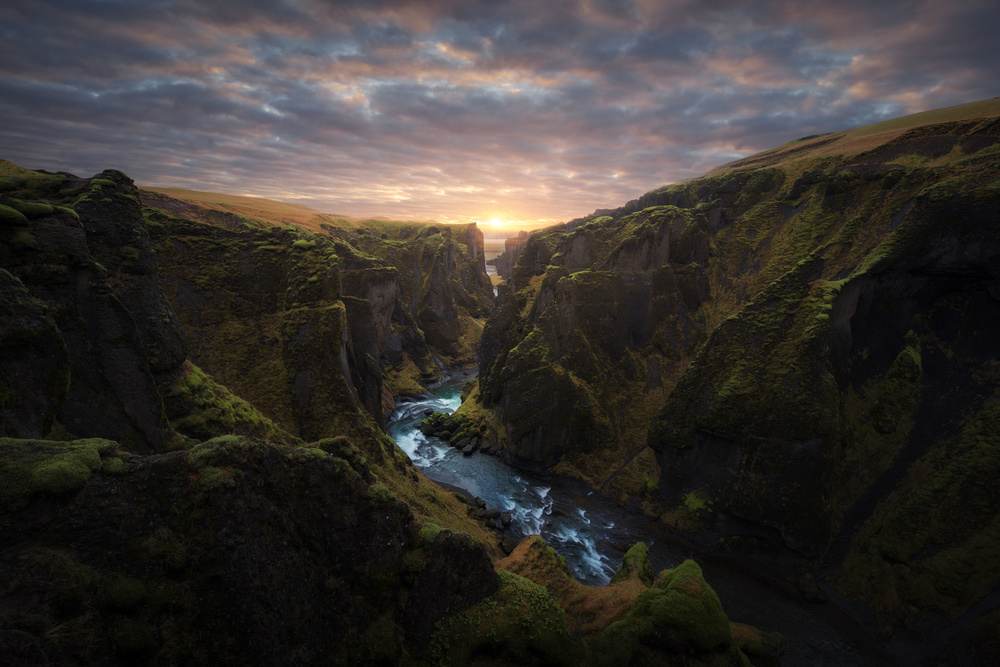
(635, 565)
(589, 609)
(237, 551)
(12, 216)
(33, 467)
(200, 408)
(680, 612)
(518, 624)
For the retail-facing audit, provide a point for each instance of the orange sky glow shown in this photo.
(511, 114)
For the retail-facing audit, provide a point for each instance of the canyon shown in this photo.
(790, 362)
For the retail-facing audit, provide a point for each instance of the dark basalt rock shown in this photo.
(33, 362)
(458, 575)
(247, 553)
(94, 269)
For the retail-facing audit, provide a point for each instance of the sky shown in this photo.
(464, 110)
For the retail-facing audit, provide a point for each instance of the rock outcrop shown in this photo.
(512, 249)
(793, 349)
(234, 552)
(639, 618)
(83, 298)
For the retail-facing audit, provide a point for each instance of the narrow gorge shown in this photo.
(784, 374)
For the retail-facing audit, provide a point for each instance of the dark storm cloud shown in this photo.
(453, 109)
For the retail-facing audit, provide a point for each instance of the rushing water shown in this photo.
(581, 527)
(589, 532)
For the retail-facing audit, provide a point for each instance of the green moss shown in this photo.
(519, 624)
(635, 564)
(680, 608)
(303, 244)
(31, 210)
(29, 467)
(211, 477)
(428, 532)
(380, 493)
(113, 466)
(68, 211)
(62, 475)
(202, 408)
(11, 216)
(225, 447)
(694, 503)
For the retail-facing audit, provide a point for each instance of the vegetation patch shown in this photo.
(201, 409)
(30, 467)
(518, 624)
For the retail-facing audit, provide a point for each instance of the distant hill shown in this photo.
(894, 139)
(261, 210)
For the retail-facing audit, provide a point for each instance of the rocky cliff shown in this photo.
(86, 325)
(192, 469)
(512, 249)
(415, 296)
(108, 312)
(792, 350)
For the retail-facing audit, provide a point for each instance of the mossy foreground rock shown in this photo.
(236, 552)
(29, 468)
(680, 611)
(676, 619)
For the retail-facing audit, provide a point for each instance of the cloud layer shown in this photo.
(463, 110)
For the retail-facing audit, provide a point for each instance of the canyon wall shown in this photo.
(790, 351)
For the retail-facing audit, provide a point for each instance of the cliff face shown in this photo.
(88, 325)
(800, 338)
(302, 324)
(444, 292)
(512, 249)
(168, 494)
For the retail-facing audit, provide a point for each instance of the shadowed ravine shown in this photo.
(585, 529)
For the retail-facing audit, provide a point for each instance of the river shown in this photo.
(589, 531)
